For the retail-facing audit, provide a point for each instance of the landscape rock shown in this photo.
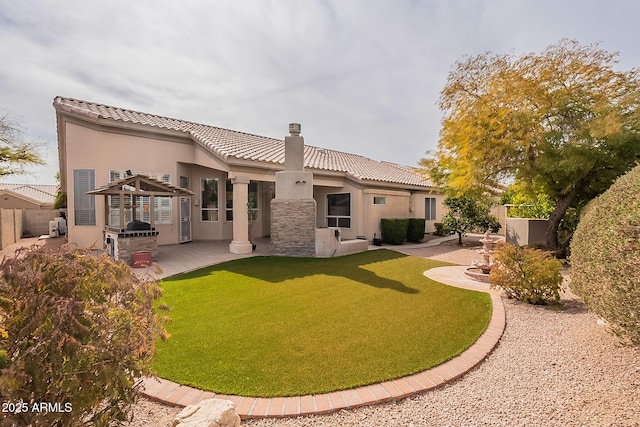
(208, 413)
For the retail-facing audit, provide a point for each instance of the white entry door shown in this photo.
(185, 219)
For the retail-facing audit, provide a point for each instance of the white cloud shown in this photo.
(361, 76)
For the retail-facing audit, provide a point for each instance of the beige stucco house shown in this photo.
(98, 144)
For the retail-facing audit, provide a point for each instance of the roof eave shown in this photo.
(25, 198)
(64, 110)
(398, 185)
(159, 188)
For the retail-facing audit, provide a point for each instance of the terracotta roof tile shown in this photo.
(233, 144)
(43, 194)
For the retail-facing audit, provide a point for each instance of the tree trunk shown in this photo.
(459, 239)
(555, 218)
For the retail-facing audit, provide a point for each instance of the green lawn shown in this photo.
(275, 326)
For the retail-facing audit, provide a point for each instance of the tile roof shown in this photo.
(228, 144)
(43, 194)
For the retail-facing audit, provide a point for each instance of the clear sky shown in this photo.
(361, 76)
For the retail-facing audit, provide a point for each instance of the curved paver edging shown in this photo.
(174, 394)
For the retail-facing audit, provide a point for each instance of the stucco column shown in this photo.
(240, 243)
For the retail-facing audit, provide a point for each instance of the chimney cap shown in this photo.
(295, 129)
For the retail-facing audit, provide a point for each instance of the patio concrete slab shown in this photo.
(186, 257)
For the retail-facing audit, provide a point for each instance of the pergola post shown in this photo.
(121, 210)
(151, 210)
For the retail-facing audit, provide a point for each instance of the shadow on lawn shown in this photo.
(278, 269)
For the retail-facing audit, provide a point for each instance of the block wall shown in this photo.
(10, 226)
(36, 221)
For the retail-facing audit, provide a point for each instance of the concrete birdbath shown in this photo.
(481, 268)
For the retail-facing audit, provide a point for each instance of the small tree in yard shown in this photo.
(77, 333)
(467, 214)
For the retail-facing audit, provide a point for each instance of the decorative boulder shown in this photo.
(208, 413)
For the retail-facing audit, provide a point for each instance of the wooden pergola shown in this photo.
(137, 185)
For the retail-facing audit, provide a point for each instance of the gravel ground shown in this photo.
(552, 367)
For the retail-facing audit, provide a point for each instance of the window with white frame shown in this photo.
(162, 206)
(209, 199)
(430, 208)
(84, 205)
(229, 200)
(379, 200)
(339, 210)
(252, 200)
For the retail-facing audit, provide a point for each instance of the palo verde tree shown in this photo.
(563, 120)
(16, 152)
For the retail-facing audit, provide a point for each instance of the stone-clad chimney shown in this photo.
(293, 211)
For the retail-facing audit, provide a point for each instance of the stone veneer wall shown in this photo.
(293, 227)
(126, 246)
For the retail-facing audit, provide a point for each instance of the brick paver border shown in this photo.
(174, 394)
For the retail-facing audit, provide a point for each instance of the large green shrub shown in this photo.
(605, 256)
(78, 331)
(394, 230)
(528, 275)
(415, 230)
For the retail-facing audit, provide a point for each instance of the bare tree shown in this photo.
(17, 152)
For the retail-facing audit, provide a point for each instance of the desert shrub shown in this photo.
(78, 331)
(528, 275)
(394, 230)
(415, 230)
(605, 256)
